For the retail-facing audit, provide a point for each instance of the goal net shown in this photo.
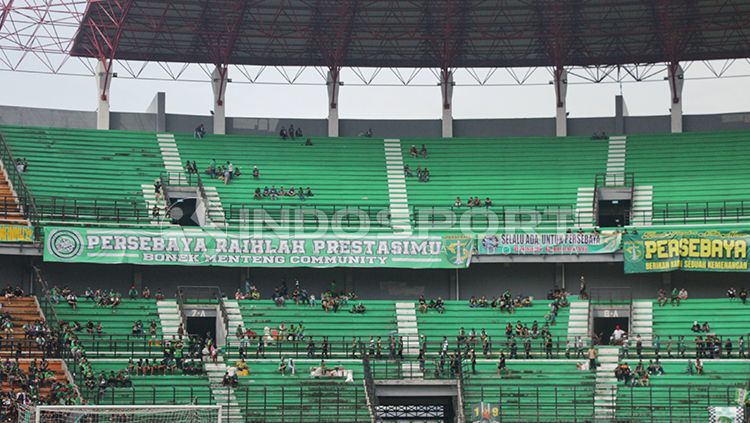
(122, 414)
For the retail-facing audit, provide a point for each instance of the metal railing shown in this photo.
(26, 201)
(532, 403)
(673, 403)
(614, 180)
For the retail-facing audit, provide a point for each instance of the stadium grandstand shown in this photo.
(163, 267)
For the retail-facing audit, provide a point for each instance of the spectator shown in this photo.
(283, 134)
(743, 295)
(698, 367)
(487, 202)
(200, 132)
(308, 192)
(732, 294)
(308, 142)
(157, 189)
(291, 131)
(298, 134)
(413, 151)
(423, 152)
(256, 172)
(457, 203)
(407, 171)
(696, 326)
(582, 294)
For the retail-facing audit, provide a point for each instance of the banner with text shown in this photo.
(198, 247)
(709, 251)
(16, 233)
(542, 244)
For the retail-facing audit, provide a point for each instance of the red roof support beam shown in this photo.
(104, 30)
(5, 12)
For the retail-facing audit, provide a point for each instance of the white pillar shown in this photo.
(103, 82)
(561, 111)
(332, 84)
(446, 91)
(219, 87)
(675, 77)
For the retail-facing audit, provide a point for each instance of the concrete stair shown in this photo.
(585, 207)
(616, 161)
(642, 323)
(215, 209)
(406, 322)
(399, 202)
(223, 395)
(643, 206)
(578, 320)
(169, 316)
(605, 391)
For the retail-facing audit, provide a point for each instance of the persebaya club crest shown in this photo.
(65, 244)
(634, 250)
(458, 250)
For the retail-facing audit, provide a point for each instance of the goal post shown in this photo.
(124, 414)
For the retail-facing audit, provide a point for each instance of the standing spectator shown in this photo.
(592, 358)
(582, 294)
(743, 295)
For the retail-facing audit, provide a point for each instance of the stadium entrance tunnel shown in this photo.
(607, 318)
(417, 401)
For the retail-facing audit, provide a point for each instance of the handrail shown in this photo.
(27, 203)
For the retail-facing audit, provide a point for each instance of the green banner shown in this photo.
(544, 244)
(16, 233)
(198, 247)
(709, 251)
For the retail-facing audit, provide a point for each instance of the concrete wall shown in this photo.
(382, 128)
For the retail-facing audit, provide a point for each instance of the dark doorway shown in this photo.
(614, 213)
(604, 326)
(201, 326)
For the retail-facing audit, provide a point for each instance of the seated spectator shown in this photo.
(291, 192)
(731, 294)
(473, 302)
(425, 176)
(696, 327)
(743, 295)
(487, 202)
(146, 294)
(283, 134)
(457, 203)
(72, 300)
(358, 309)
(133, 292)
(301, 194)
(705, 327)
(407, 171)
(273, 194)
(237, 172)
(423, 152)
(257, 195)
(308, 142)
(413, 151)
(159, 296)
(200, 132)
(661, 298)
(682, 295)
(422, 304)
(439, 305)
(308, 192)
(698, 367)
(292, 133)
(298, 133)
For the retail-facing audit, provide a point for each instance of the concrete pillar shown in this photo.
(446, 91)
(621, 111)
(103, 82)
(219, 86)
(158, 108)
(333, 84)
(561, 112)
(675, 77)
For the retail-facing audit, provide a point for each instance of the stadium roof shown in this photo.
(420, 33)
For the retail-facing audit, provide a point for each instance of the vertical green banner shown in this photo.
(702, 251)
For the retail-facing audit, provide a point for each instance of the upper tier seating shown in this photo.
(341, 172)
(510, 171)
(70, 168)
(22, 310)
(679, 397)
(692, 169)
